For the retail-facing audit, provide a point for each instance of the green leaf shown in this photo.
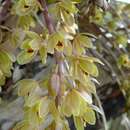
(32, 116)
(83, 41)
(89, 116)
(43, 107)
(26, 22)
(16, 37)
(83, 106)
(89, 67)
(69, 6)
(91, 59)
(87, 84)
(67, 18)
(5, 63)
(26, 86)
(71, 104)
(33, 97)
(78, 123)
(32, 35)
(25, 57)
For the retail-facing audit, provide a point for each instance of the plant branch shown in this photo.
(58, 55)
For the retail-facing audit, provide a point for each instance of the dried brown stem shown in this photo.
(4, 10)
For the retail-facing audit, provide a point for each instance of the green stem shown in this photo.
(103, 114)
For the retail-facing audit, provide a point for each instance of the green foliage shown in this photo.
(62, 99)
(5, 66)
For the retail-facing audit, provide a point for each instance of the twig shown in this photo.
(5, 28)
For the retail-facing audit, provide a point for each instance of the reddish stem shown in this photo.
(58, 56)
(47, 16)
